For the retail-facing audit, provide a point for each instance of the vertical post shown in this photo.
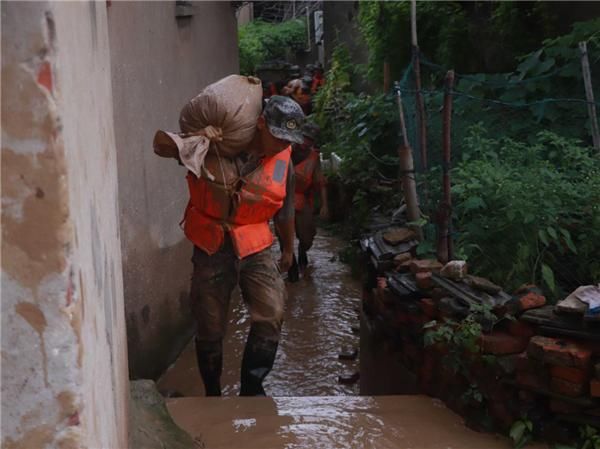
(386, 76)
(589, 95)
(407, 171)
(419, 103)
(447, 127)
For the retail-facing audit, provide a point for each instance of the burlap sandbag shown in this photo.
(232, 104)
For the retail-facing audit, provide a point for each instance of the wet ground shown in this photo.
(321, 310)
(338, 422)
(309, 408)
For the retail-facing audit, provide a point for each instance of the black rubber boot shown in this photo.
(210, 363)
(259, 356)
(302, 259)
(293, 272)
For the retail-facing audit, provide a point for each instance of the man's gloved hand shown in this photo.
(210, 132)
(285, 261)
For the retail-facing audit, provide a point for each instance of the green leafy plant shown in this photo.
(521, 433)
(590, 437)
(261, 41)
(529, 213)
(460, 337)
(451, 33)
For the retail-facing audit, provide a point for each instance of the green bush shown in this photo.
(529, 213)
(261, 41)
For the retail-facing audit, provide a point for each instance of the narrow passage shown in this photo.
(308, 407)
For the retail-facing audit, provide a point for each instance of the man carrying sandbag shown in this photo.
(227, 219)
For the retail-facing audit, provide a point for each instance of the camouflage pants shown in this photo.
(214, 279)
(305, 227)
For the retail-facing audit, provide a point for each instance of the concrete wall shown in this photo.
(64, 370)
(158, 63)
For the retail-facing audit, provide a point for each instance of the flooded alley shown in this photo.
(320, 323)
(308, 407)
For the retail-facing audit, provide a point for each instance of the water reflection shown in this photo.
(320, 312)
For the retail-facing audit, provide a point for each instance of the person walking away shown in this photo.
(318, 79)
(310, 182)
(299, 91)
(227, 220)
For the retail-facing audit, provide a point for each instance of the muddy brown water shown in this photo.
(308, 408)
(321, 311)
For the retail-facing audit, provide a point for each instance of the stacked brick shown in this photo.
(517, 369)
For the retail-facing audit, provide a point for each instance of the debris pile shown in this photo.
(492, 356)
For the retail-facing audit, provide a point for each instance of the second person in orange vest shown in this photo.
(227, 220)
(310, 182)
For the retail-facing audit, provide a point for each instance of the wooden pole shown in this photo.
(407, 172)
(413, 22)
(419, 103)
(386, 76)
(447, 127)
(589, 95)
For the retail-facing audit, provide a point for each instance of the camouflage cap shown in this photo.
(284, 118)
(311, 130)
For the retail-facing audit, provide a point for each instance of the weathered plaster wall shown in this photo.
(158, 63)
(64, 371)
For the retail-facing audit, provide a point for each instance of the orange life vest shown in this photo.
(304, 172)
(243, 207)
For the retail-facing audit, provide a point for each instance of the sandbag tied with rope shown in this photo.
(230, 107)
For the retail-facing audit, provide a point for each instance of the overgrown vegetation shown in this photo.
(469, 36)
(526, 186)
(529, 212)
(461, 338)
(261, 41)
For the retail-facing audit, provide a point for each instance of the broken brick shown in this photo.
(558, 406)
(424, 281)
(523, 363)
(569, 374)
(559, 352)
(402, 257)
(396, 236)
(404, 266)
(520, 329)
(455, 270)
(531, 300)
(499, 342)
(528, 379)
(419, 266)
(566, 388)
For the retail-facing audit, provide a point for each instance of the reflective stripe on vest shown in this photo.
(245, 213)
(304, 172)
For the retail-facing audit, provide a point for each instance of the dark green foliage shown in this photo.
(467, 36)
(261, 41)
(529, 212)
(526, 183)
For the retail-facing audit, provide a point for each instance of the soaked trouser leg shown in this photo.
(264, 292)
(213, 281)
(305, 231)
